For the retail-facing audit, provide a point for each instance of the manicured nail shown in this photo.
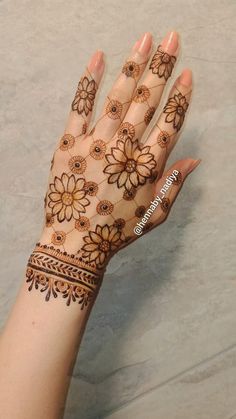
(170, 43)
(188, 166)
(143, 45)
(96, 62)
(186, 77)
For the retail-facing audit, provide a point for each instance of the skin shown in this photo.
(40, 341)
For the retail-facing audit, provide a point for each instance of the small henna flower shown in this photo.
(114, 109)
(85, 96)
(119, 223)
(125, 131)
(179, 179)
(162, 63)
(165, 204)
(82, 224)
(129, 195)
(58, 237)
(105, 207)
(67, 141)
(49, 220)
(99, 244)
(91, 188)
(98, 149)
(149, 115)
(140, 211)
(131, 69)
(163, 139)
(142, 94)
(175, 109)
(77, 165)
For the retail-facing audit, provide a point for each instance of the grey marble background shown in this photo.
(161, 341)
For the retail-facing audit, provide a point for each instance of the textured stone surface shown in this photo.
(161, 339)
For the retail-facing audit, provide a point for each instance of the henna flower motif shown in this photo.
(98, 149)
(91, 188)
(175, 109)
(179, 179)
(140, 211)
(82, 224)
(163, 139)
(119, 223)
(149, 115)
(142, 94)
(114, 109)
(77, 164)
(105, 207)
(130, 194)
(99, 244)
(129, 164)
(162, 63)
(67, 197)
(131, 69)
(165, 205)
(67, 141)
(125, 131)
(58, 237)
(84, 97)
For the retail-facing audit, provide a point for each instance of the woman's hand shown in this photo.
(106, 184)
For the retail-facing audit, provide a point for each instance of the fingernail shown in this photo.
(189, 165)
(143, 45)
(186, 77)
(170, 43)
(96, 62)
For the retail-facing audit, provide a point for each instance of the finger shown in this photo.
(148, 95)
(119, 98)
(165, 133)
(168, 188)
(82, 105)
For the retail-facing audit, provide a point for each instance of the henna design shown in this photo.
(162, 63)
(82, 224)
(142, 94)
(49, 220)
(56, 273)
(77, 165)
(98, 149)
(131, 69)
(58, 237)
(140, 211)
(129, 195)
(129, 164)
(165, 204)
(105, 207)
(67, 197)
(67, 141)
(179, 179)
(91, 188)
(175, 109)
(163, 139)
(149, 115)
(119, 223)
(101, 243)
(85, 96)
(125, 131)
(153, 176)
(114, 109)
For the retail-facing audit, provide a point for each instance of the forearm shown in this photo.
(38, 348)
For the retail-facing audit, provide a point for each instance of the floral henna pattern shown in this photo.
(162, 63)
(56, 273)
(130, 165)
(67, 197)
(85, 96)
(175, 109)
(131, 69)
(101, 243)
(125, 131)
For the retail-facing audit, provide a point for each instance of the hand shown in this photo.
(107, 185)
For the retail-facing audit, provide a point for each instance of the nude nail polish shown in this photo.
(143, 45)
(189, 165)
(170, 43)
(96, 62)
(186, 77)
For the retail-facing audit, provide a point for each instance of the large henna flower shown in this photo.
(130, 165)
(175, 109)
(162, 63)
(84, 97)
(67, 197)
(99, 244)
